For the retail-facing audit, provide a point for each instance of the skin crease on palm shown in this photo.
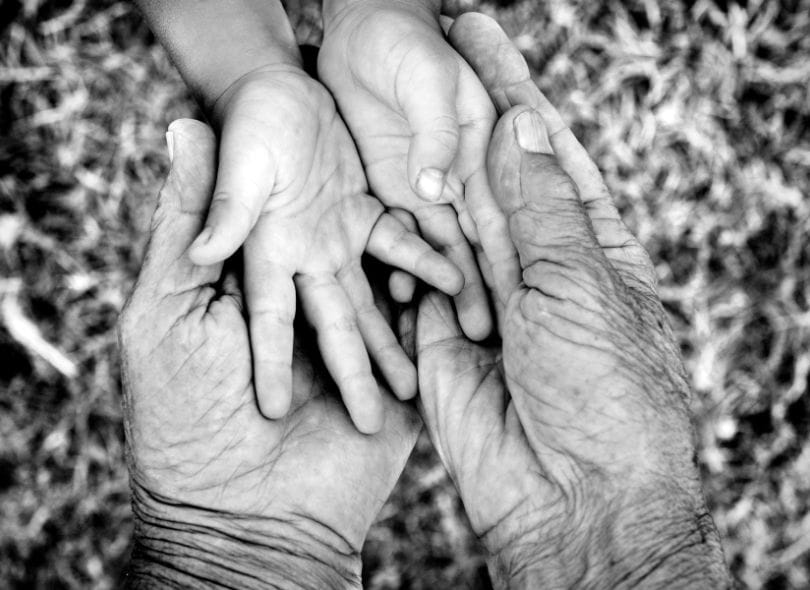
(581, 418)
(199, 451)
(307, 236)
(411, 102)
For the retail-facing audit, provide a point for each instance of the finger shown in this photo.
(391, 242)
(498, 304)
(402, 285)
(270, 298)
(490, 222)
(429, 104)
(446, 23)
(506, 75)
(619, 244)
(436, 324)
(547, 222)
(438, 340)
(440, 227)
(181, 208)
(245, 178)
(378, 336)
(487, 48)
(329, 310)
(406, 330)
(496, 243)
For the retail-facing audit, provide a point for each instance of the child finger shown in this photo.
(440, 227)
(496, 241)
(378, 336)
(329, 310)
(270, 298)
(402, 285)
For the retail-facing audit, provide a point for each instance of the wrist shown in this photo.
(214, 43)
(656, 541)
(282, 83)
(187, 547)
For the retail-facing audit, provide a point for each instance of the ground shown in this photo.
(698, 114)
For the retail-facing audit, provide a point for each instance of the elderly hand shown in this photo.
(571, 444)
(221, 495)
(422, 122)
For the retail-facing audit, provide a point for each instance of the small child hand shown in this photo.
(422, 122)
(290, 185)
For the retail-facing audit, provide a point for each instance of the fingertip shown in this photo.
(207, 249)
(452, 279)
(407, 383)
(476, 322)
(369, 415)
(401, 286)
(505, 155)
(531, 133)
(274, 401)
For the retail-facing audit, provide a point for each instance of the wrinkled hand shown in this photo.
(422, 122)
(290, 181)
(571, 444)
(218, 491)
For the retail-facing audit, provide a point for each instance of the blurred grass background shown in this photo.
(697, 112)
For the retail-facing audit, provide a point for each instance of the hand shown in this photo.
(220, 494)
(571, 444)
(289, 176)
(422, 122)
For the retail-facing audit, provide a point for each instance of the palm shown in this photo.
(200, 441)
(312, 229)
(467, 387)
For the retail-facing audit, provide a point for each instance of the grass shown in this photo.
(698, 114)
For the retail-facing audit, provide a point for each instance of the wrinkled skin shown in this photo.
(206, 467)
(412, 103)
(309, 217)
(571, 442)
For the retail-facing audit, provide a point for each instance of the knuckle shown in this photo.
(276, 316)
(551, 178)
(445, 132)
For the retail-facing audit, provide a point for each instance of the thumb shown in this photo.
(429, 104)
(436, 324)
(547, 220)
(181, 209)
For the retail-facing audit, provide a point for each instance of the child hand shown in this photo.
(290, 181)
(422, 122)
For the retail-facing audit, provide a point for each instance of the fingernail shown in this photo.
(170, 145)
(430, 184)
(531, 133)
